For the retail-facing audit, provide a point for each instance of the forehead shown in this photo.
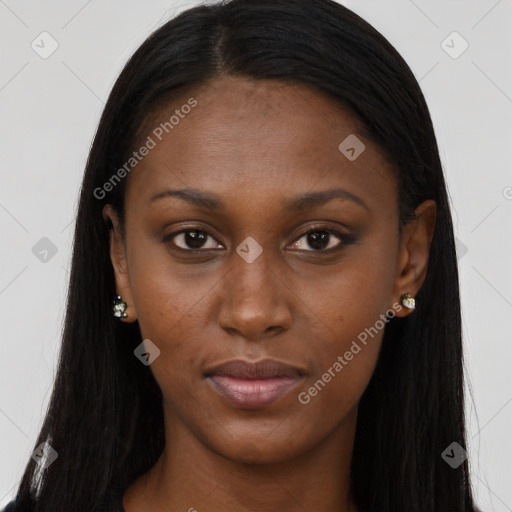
(258, 139)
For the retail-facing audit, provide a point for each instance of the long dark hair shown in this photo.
(105, 416)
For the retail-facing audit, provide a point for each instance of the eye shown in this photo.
(192, 239)
(321, 239)
(318, 238)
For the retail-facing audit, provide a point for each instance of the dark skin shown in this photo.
(255, 146)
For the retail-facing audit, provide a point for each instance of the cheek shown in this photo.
(169, 311)
(349, 321)
(344, 362)
(164, 292)
(172, 316)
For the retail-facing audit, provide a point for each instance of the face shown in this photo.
(279, 246)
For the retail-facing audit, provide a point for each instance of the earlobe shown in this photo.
(413, 257)
(123, 307)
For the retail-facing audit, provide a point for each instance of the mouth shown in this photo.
(254, 385)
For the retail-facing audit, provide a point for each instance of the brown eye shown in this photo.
(322, 239)
(192, 239)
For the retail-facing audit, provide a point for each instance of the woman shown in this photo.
(264, 307)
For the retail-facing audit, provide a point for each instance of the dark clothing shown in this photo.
(112, 504)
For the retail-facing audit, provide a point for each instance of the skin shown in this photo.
(257, 145)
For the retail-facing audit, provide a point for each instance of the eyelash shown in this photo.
(345, 239)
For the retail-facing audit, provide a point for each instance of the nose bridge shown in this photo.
(253, 299)
(252, 269)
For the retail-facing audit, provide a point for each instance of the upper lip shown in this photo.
(264, 369)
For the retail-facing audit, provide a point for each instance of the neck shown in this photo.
(190, 476)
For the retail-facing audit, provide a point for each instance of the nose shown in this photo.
(255, 299)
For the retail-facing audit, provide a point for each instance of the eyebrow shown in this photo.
(213, 202)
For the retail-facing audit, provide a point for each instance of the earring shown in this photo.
(408, 301)
(119, 307)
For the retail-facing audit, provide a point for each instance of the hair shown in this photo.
(105, 416)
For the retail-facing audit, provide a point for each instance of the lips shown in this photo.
(254, 385)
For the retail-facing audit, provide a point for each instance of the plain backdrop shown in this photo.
(49, 109)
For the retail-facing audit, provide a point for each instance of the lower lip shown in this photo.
(253, 394)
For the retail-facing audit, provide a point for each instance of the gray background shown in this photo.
(49, 112)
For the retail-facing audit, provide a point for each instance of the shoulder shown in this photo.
(10, 507)
(13, 506)
(112, 503)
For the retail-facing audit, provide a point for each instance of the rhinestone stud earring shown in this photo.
(119, 307)
(408, 301)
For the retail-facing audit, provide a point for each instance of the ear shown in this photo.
(414, 253)
(119, 263)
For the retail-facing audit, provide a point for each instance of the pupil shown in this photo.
(195, 239)
(317, 239)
